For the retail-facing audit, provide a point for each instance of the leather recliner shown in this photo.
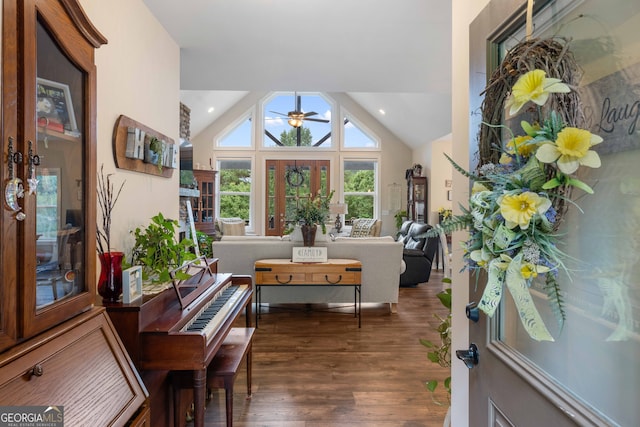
(418, 253)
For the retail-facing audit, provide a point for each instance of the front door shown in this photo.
(289, 183)
(589, 375)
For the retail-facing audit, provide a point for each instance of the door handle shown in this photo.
(469, 357)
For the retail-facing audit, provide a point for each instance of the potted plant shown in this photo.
(400, 217)
(440, 353)
(153, 152)
(158, 251)
(311, 212)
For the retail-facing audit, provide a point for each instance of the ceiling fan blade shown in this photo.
(275, 112)
(311, 113)
(316, 120)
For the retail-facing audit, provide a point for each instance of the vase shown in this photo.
(309, 234)
(110, 281)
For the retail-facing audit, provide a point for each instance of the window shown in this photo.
(360, 183)
(235, 189)
(315, 130)
(238, 136)
(356, 137)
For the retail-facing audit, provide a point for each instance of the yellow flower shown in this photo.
(518, 209)
(571, 149)
(533, 86)
(531, 271)
(518, 145)
(528, 271)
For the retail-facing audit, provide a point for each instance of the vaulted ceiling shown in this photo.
(393, 55)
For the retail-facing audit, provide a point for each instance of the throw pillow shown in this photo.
(362, 227)
(233, 228)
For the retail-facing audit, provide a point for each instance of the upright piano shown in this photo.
(181, 329)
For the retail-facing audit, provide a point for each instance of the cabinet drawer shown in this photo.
(346, 278)
(84, 369)
(282, 277)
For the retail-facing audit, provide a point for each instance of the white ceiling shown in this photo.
(393, 55)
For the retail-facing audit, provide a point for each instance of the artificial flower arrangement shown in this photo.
(514, 206)
(444, 213)
(314, 210)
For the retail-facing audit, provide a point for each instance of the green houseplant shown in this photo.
(440, 353)
(158, 251)
(314, 210)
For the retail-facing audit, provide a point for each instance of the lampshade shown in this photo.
(338, 208)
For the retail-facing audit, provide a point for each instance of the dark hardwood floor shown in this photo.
(316, 368)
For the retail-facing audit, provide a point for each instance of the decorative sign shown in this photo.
(309, 254)
(139, 148)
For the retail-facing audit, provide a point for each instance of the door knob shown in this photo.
(469, 357)
(472, 311)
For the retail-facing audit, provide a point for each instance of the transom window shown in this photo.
(356, 135)
(239, 135)
(297, 120)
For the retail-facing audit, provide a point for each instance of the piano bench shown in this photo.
(221, 372)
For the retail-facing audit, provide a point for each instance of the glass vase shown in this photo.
(110, 281)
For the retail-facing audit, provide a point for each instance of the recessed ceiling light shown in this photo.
(381, 111)
(210, 110)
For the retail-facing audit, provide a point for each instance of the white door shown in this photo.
(590, 374)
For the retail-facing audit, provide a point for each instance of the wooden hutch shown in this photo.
(417, 198)
(56, 347)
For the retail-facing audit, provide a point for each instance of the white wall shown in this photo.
(442, 172)
(464, 12)
(138, 75)
(394, 156)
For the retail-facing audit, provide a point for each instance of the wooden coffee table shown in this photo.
(334, 272)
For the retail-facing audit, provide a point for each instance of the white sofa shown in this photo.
(381, 259)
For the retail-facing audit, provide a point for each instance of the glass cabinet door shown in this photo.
(55, 170)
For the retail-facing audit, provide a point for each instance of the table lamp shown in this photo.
(338, 209)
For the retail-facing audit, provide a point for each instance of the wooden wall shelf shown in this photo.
(120, 148)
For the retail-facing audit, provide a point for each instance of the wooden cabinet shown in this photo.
(417, 198)
(204, 212)
(48, 249)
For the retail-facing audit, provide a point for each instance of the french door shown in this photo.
(290, 183)
(589, 375)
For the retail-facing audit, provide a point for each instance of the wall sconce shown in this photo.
(338, 209)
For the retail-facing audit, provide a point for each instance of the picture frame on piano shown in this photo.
(132, 284)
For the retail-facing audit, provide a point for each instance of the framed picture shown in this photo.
(131, 284)
(54, 107)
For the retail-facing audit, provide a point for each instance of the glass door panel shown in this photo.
(289, 184)
(55, 175)
(594, 356)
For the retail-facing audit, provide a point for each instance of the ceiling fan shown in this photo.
(297, 116)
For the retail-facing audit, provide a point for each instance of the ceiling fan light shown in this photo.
(296, 122)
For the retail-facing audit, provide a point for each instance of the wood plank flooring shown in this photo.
(317, 369)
